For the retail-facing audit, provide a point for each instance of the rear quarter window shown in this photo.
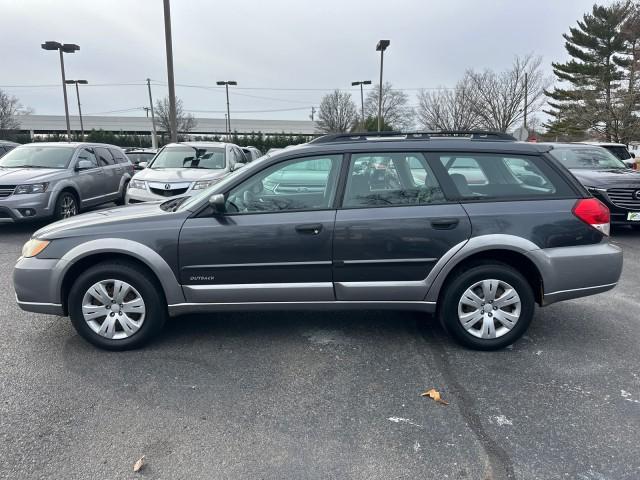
(485, 176)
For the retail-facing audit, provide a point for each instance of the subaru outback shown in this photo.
(475, 228)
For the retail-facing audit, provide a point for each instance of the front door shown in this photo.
(394, 225)
(274, 242)
(89, 180)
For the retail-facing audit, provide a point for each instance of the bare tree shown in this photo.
(499, 98)
(337, 113)
(448, 109)
(10, 110)
(396, 111)
(185, 121)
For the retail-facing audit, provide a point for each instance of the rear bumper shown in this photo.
(574, 272)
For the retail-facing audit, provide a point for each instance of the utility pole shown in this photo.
(78, 82)
(313, 114)
(226, 84)
(173, 123)
(154, 137)
(526, 95)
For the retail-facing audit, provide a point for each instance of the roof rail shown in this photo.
(394, 135)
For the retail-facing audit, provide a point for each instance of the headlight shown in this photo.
(202, 184)
(596, 189)
(31, 188)
(33, 247)
(138, 184)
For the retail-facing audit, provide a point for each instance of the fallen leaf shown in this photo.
(139, 464)
(435, 395)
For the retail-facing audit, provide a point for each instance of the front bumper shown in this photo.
(35, 286)
(619, 215)
(16, 208)
(574, 272)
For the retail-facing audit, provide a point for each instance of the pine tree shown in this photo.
(599, 51)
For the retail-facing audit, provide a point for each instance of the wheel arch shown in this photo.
(108, 249)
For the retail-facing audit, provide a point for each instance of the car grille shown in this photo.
(168, 193)
(625, 197)
(6, 190)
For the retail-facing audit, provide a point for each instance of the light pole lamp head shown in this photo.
(367, 82)
(382, 45)
(70, 48)
(232, 82)
(221, 83)
(51, 45)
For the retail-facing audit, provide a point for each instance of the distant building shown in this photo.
(51, 124)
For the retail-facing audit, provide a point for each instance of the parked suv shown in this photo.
(6, 146)
(184, 169)
(606, 177)
(45, 180)
(479, 255)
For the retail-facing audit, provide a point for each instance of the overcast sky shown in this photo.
(270, 47)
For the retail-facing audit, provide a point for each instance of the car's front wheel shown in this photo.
(66, 206)
(487, 306)
(116, 306)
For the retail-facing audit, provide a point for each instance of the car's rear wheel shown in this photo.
(116, 306)
(487, 306)
(66, 206)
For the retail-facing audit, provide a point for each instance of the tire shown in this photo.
(477, 279)
(122, 199)
(126, 325)
(67, 206)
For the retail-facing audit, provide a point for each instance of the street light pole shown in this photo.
(63, 48)
(226, 84)
(361, 83)
(77, 82)
(173, 123)
(381, 47)
(154, 138)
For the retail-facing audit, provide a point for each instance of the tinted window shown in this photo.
(494, 176)
(619, 151)
(118, 155)
(301, 184)
(385, 179)
(589, 158)
(137, 157)
(87, 154)
(104, 156)
(38, 157)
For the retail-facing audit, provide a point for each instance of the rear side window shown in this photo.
(118, 155)
(104, 157)
(495, 177)
(388, 179)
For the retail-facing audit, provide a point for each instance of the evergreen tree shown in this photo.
(591, 100)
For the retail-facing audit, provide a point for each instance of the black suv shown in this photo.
(476, 228)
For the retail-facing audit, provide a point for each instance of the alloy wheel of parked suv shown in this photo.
(66, 206)
(115, 306)
(487, 306)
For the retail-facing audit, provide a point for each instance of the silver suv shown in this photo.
(44, 180)
(184, 169)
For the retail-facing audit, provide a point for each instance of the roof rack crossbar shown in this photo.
(395, 135)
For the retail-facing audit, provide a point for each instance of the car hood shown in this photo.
(608, 178)
(120, 219)
(178, 174)
(16, 176)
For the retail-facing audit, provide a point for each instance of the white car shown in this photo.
(620, 150)
(184, 168)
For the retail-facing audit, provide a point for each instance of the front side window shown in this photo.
(300, 184)
(34, 156)
(212, 158)
(88, 155)
(485, 176)
(387, 179)
(587, 158)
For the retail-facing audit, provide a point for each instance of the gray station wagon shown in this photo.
(56, 180)
(376, 221)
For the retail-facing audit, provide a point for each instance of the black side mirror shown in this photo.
(218, 203)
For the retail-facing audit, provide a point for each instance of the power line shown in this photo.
(251, 111)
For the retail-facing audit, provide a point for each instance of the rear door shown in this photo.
(394, 225)
(112, 172)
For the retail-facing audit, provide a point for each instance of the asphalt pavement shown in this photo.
(295, 395)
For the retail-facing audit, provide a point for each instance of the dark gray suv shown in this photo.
(475, 228)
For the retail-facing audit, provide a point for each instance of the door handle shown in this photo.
(445, 223)
(311, 229)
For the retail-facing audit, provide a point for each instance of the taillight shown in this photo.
(595, 213)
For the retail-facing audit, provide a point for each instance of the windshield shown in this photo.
(33, 156)
(138, 157)
(212, 158)
(595, 158)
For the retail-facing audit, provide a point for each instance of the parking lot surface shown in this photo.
(324, 395)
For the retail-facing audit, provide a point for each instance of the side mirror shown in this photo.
(633, 155)
(142, 165)
(217, 202)
(84, 165)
